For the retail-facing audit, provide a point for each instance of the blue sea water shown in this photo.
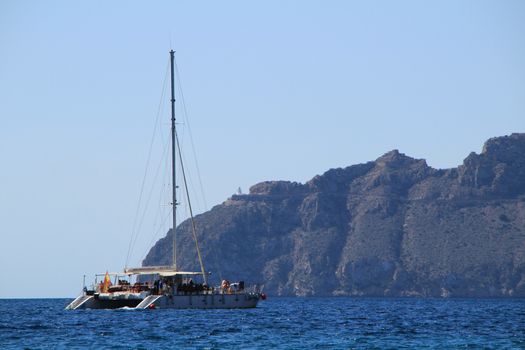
(277, 323)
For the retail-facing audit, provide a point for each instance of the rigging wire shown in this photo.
(196, 163)
(187, 122)
(193, 231)
(161, 215)
(134, 231)
(192, 187)
(146, 207)
(155, 234)
(180, 139)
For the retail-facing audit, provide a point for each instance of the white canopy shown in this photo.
(158, 270)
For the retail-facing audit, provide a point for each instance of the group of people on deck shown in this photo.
(190, 287)
(165, 286)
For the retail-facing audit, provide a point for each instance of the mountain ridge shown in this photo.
(390, 227)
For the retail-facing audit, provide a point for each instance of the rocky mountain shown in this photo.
(390, 227)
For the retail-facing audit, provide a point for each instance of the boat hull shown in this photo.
(206, 301)
(177, 301)
(110, 304)
(94, 302)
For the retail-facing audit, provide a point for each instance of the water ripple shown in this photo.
(281, 323)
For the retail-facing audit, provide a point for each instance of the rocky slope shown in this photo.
(390, 227)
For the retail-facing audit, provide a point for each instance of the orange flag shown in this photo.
(107, 283)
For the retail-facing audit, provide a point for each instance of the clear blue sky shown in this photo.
(275, 90)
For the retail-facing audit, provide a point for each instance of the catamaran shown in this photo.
(151, 287)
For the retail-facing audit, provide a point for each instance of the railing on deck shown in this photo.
(182, 289)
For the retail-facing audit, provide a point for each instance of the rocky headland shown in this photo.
(389, 227)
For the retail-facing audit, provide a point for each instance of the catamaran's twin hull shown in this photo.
(206, 301)
(199, 301)
(108, 304)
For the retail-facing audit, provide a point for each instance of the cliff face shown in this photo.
(391, 227)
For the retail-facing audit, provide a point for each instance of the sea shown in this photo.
(276, 323)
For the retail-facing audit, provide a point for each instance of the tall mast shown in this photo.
(173, 165)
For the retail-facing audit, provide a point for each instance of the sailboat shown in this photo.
(151, 287)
